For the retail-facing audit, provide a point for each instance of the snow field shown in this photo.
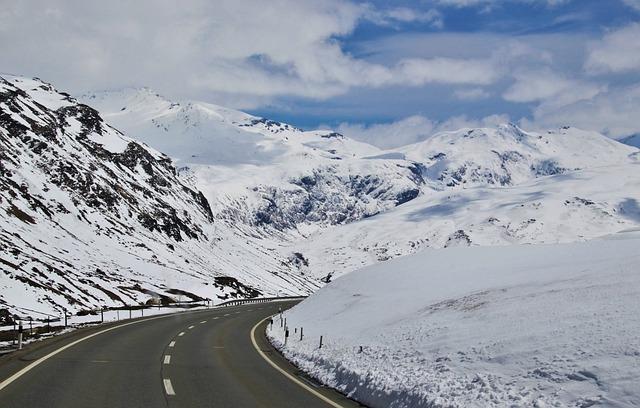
(523, 325)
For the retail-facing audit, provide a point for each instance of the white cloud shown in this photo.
(633, 3)
(471, 94)
(387, 135)
(418, 71)
(549, 88)
(390, 17)
(613, 113)
(474, 3)
(413, 129)
(226, 50)
(617, 51)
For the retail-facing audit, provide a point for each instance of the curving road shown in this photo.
(195, 359)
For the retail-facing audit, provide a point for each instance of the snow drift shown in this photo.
(532, 325)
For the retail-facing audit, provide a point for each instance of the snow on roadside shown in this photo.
(531, 325)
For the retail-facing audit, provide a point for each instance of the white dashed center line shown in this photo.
(216, 318)
(173, 343)
(168, 387)
(227, 314)
(203, 322)
(180, 334)
(191, 327)
(167, 359)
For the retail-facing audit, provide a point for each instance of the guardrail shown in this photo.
(238, 302)
(34, 329)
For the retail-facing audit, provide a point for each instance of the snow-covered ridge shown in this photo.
(280, 176)
(495, 187)
(487, 186)
(520, 325)
(507, 155)
(282, 210)
(91, 218)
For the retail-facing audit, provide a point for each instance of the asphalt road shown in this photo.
(196, 359)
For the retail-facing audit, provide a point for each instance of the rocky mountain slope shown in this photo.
(91, 218)
(261, 172)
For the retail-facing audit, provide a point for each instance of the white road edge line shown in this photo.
(286, 374)
(173, 343)
(168, 388)
(167, 359)
(28, 368)
(180, 334)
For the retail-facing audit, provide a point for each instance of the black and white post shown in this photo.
(20, 332)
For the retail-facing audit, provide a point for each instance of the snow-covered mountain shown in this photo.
(467, 187)
(263, 172)
(507, 155)
(243, 206)
(496, 187)
(91, 218)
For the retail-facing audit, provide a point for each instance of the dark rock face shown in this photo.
(330, 197)
(69, 177)
(91, 174)
(547, 168)
(333, 135)
(407, 196)
(459, 237)
(240, 290)
(271, 125)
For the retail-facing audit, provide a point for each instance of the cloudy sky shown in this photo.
(390, 72)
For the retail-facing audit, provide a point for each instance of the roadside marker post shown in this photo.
(320, 343)
(102, 315)
(30, 326)
(65, 317)
(20, 336)
(301, 329)
(286, 335)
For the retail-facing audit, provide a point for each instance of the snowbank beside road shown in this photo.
(548, 325)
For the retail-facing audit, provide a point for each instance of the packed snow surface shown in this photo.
(520, 325)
